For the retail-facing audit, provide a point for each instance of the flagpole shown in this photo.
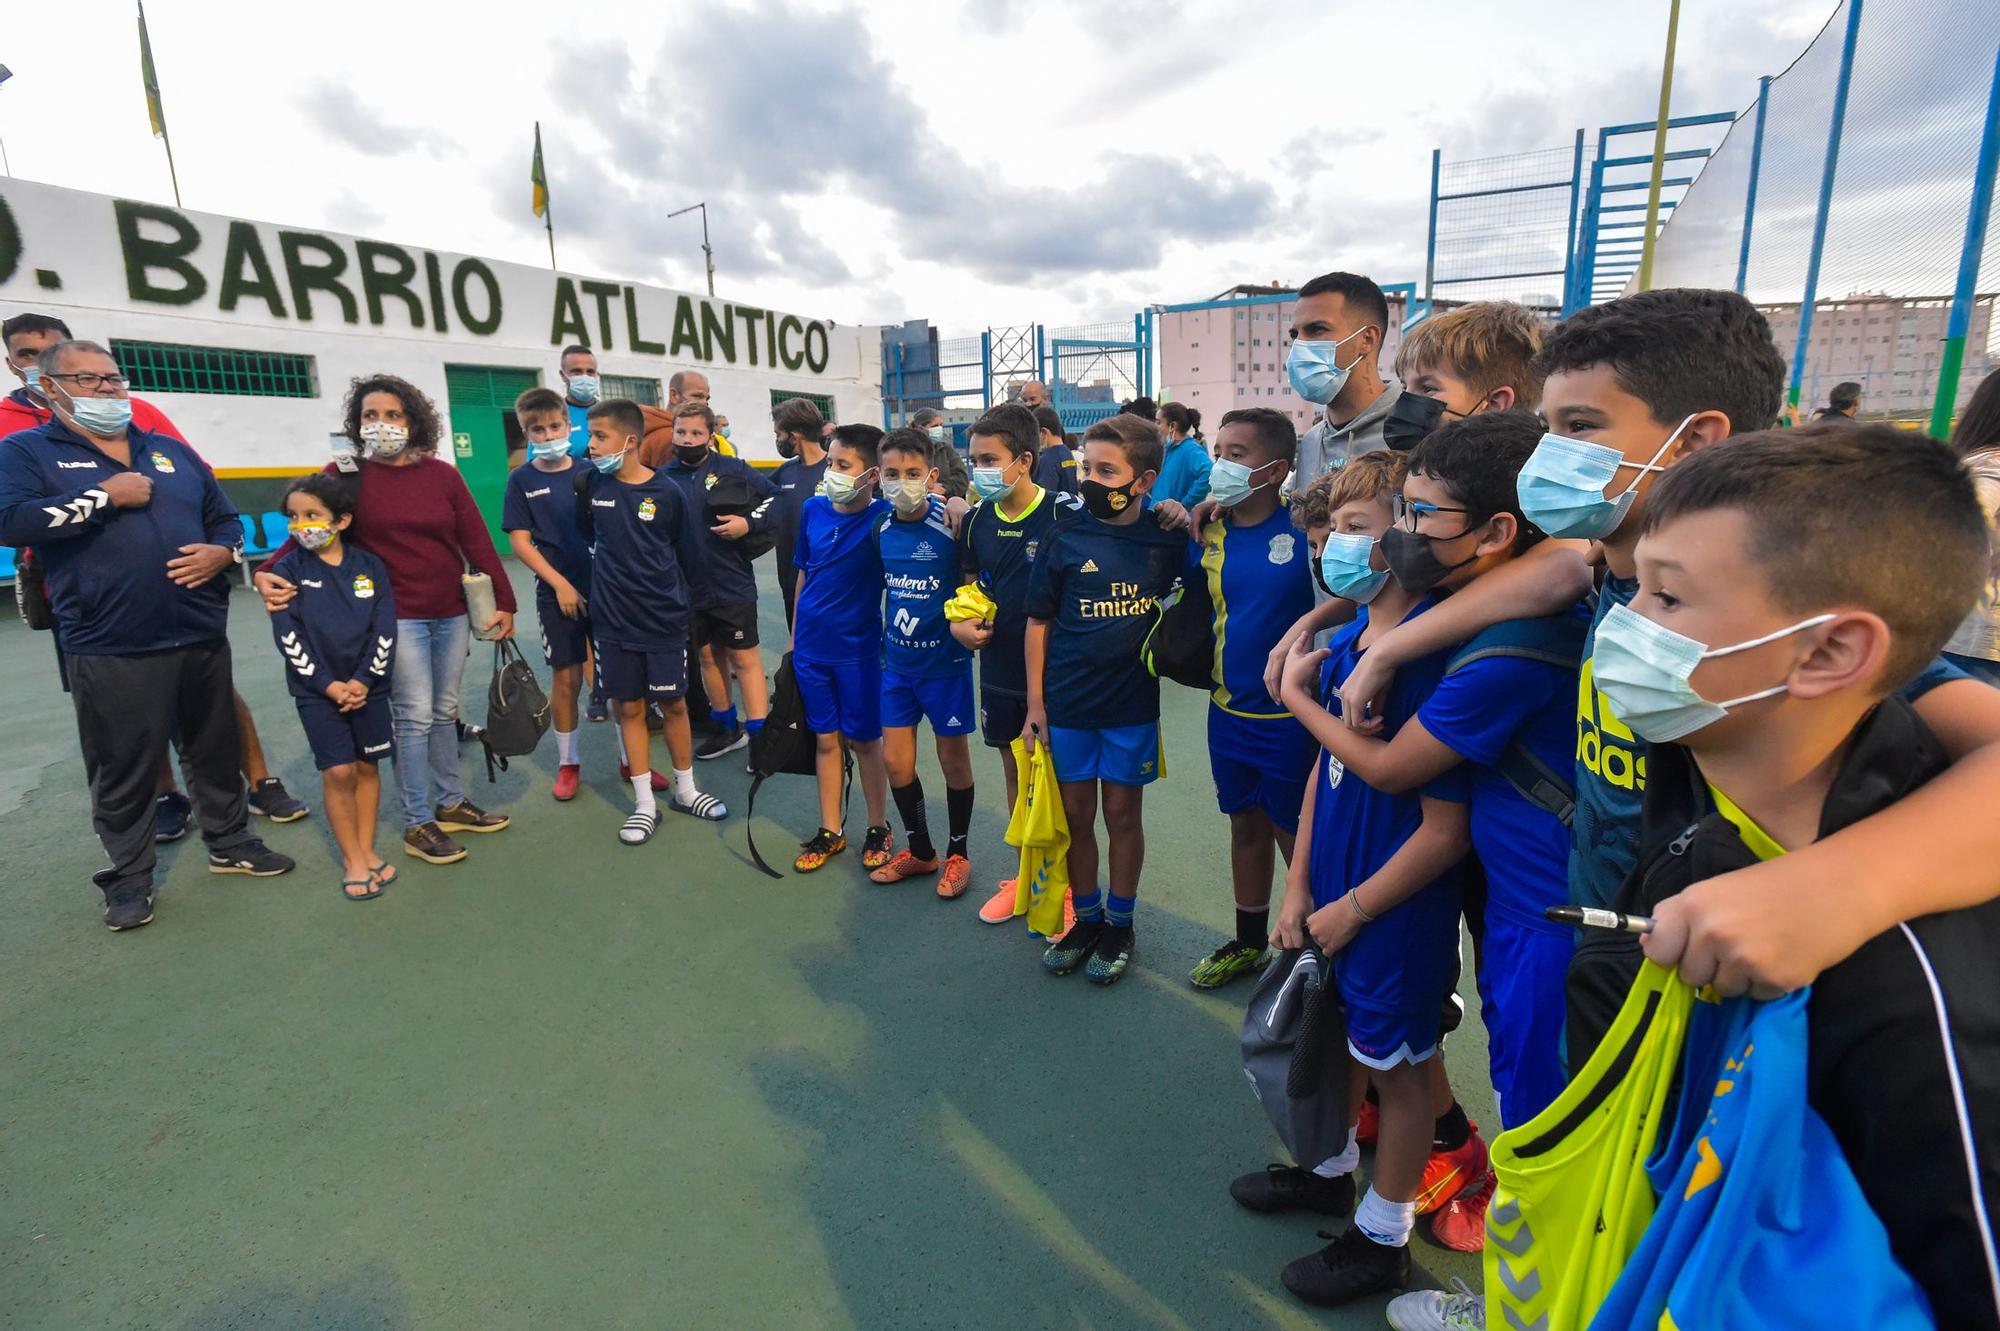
(154, 103)
(541, 181)
(549, 221)
(1659, 151)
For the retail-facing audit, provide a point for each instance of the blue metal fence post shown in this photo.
(1569, 236)
(1750, 197)
(1041, 355)
(986, 370)
(1825, 196)
(1965, 295)
(1431, 236)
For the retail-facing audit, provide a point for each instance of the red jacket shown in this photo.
(18, 412)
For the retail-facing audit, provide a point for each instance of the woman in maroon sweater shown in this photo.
(415, 514)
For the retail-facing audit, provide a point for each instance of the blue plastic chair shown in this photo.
(8, 570)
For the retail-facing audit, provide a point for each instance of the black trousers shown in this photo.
(128, 710)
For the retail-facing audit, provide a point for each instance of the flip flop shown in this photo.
(703, 806)
(368, 882)
(378, 874)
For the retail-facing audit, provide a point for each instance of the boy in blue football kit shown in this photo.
(640, 531)
(837, 641)
(338, 638)
(723, 582)
(1093, 600)
(539, 515)
(926, 673)
(999, 544)
(1374, 882)
(1254, 563)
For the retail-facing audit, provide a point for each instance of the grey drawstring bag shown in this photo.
(1293, 1032)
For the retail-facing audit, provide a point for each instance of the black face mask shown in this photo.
(1413, 563)
(788, 447)
(688, 455)
(1106, 502)
(1410, 418)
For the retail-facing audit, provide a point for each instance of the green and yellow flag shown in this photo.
(151, 80)
(536, 177)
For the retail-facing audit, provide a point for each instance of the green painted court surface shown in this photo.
(572, 1084)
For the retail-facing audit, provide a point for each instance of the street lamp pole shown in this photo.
(707, 250)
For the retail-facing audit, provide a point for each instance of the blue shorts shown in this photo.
(1395, 975)
(1260, 762)
(943, 700)
(338, 738)
(1521, 1003)
(1122, 755)
(841, 697)
(632, 674)
(565, 641)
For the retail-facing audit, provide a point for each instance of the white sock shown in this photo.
(624, 758)
(566, 747)
(1346, 1162)
(1386, 1222)
(684, 790)
(642, 791)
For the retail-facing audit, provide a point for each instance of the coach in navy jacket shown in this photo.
(138, 541)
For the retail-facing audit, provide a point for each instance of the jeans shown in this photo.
(423, 699)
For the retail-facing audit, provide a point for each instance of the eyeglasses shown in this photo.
(91, 382)
(1407, 513)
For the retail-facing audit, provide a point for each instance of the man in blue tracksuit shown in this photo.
(731, 503)
(138, 542)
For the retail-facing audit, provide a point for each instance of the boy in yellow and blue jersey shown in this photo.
(1254, 563)
(1093, 601)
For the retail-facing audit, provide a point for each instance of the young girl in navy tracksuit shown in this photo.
(338, 637)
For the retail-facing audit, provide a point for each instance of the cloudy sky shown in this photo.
(976, 162)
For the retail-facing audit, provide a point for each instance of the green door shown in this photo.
(480, 404)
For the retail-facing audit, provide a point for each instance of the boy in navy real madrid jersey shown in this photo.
(338, 637)
(837, 641)
(999, 543)
(1255, 564)
(926, 672)
(1094, 598)
(539, 513)
(641, 534)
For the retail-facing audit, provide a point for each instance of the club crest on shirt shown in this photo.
(647, 508)
(1281, 548)
(708, 481)
(364, 586)
(1029, 550)
(162, 463)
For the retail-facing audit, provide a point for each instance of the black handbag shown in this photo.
(517, 710)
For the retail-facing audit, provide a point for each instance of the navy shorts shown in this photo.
(630, 674)
(1001, 718)
(1260, 762)
(338, 738)
(841, 697)
(1394, 976)
(565, 641)
(943, 700)
(1122, 755)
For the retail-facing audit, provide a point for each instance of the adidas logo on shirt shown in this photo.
(1089, 566)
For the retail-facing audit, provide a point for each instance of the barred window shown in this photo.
(644, 391)
(820, 400)
(167, 367)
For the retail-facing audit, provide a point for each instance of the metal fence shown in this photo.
(1089, 369)
(1851, 201)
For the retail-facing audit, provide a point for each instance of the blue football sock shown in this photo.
(753, 725)
(1118, 910)
(1089, 909)
(726, 718)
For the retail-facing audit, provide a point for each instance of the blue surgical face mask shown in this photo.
(583, 389)
(102, 416)
(1315, 369)
(609, 466)
(991, 482)
(1344, 569)
(33, 376)
(1644, 670)
(938, 434)
(549, 450)
(1230, 483)
(1564, 483)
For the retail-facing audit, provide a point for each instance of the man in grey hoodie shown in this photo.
(1339, 322)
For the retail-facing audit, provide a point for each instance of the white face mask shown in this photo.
(911, 495)
(1644, 671)
(383, 439)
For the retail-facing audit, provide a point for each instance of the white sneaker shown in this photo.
(1439, 1310)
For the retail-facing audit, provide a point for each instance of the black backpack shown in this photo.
(785, 746)
(729, 496)
(517, 711)
(1181, 646)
